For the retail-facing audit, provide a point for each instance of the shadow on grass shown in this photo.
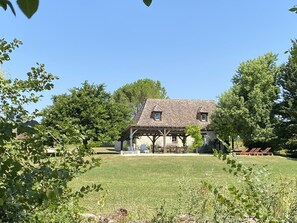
(104, 150)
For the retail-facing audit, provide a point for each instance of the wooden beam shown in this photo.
(131, 137)
(164, 141)
(154, 139)
(122, 143)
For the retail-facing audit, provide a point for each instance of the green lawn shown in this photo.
(140, 183)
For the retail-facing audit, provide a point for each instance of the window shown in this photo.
(174, 139)
(204, 117)
(157, 116)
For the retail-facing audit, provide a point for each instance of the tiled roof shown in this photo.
(175, 112)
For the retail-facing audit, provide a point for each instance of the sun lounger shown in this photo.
(266, 152)
(240, 152)
(256, 152)
(248, 152)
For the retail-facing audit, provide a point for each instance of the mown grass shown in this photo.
(139, 184)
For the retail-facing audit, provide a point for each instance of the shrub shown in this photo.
(33, 186)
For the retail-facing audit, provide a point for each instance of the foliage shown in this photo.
(132, 96)
(286, 109)
(247, 108)
(85, 114)
(256, 197)
(293, 9)
(29, 7)
(195, 132)
(229, 109)
(192, 203)
(147, 2)
(33, 186)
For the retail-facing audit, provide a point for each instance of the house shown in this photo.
(163, 121)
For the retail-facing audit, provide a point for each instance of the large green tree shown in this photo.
(133, 96)
(33, 186)
(229, 109)
(287, 107)
(86, 114)
(247, 109)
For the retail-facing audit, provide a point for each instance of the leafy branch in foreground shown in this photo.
(33, 186)
(257, 196)
(29, 7)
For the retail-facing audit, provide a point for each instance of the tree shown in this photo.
(132, 96)
(29, 7)
(33, 186)
(195, 132)
(85, 114)
(287, 107)
(229, 109)
(247, 109)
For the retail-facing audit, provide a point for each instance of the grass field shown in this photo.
(141, 183)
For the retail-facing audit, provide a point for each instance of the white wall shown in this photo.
(208, 136)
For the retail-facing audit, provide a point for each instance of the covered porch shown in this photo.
(154, 133)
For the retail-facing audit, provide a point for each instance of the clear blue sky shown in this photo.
(193, 47)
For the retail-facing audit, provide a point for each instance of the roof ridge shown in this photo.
(176, 99)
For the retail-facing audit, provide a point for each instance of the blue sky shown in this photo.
(193, 47)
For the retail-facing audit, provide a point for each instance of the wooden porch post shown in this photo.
(164, 134)
(164, 141)
(154, 139)
(131, 137)
(183, 138)
(122, 142)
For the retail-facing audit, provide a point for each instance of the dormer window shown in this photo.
(202, 116)
(157, 116)
(157, 113)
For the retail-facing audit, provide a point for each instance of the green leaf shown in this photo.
(147, 2)
(11, 7)
(1, 202)
(28, 7)
(294, 9)
(5, 3)
(50, 194)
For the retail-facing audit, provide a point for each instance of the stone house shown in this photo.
(161, 123)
